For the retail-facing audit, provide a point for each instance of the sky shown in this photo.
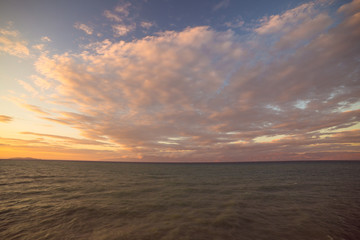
(180, 81)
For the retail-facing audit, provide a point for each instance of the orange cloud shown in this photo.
(5, 118)
(34, 108)
(11, 44)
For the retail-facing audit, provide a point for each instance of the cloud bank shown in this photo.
(288, 90)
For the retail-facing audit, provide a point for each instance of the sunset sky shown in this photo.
(192, 81)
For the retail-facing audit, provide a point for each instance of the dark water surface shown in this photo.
(89, 200)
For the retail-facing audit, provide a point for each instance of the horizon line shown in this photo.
(182, 162)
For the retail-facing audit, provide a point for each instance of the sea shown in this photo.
(157, 201)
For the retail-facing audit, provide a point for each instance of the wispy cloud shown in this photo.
(221, 4)
(28, 87)
(5, 118)
(81, 26)
(34, 108)
(146, 25)
(123, 9)
(9, 32)
(45, 39)
(42, 83)
(237, 23)
(39, 47)
(122, 29)
(112, 16)
(120, 13)
(69, 140)
(12, 44)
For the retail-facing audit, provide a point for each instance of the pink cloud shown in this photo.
(123, 8)
(146, 25)
(111, 16)
(351, 8)
(280, 22)
(201, 94)
(87, 29)
(122, 30)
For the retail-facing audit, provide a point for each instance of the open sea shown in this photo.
(102, 200)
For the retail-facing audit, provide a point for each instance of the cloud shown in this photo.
(221, 4)
(111, 16)
(121, 12)
(123, 9)
(81, 26)
(290, 18)
(11, 43)
(42, 83)
(8, 32)
(200, 94)
(45, 148)
(122, 30)
(307, 29)
(146, 25)
(67, 139)
(28, 87)
(5, 118)
(351, 8)
(237, 23)
(45, 39)
(39, 47)
(34, 108)
(124, 23)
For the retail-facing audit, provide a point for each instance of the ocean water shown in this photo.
(97, 200)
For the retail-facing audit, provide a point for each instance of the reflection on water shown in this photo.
(87, 200)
